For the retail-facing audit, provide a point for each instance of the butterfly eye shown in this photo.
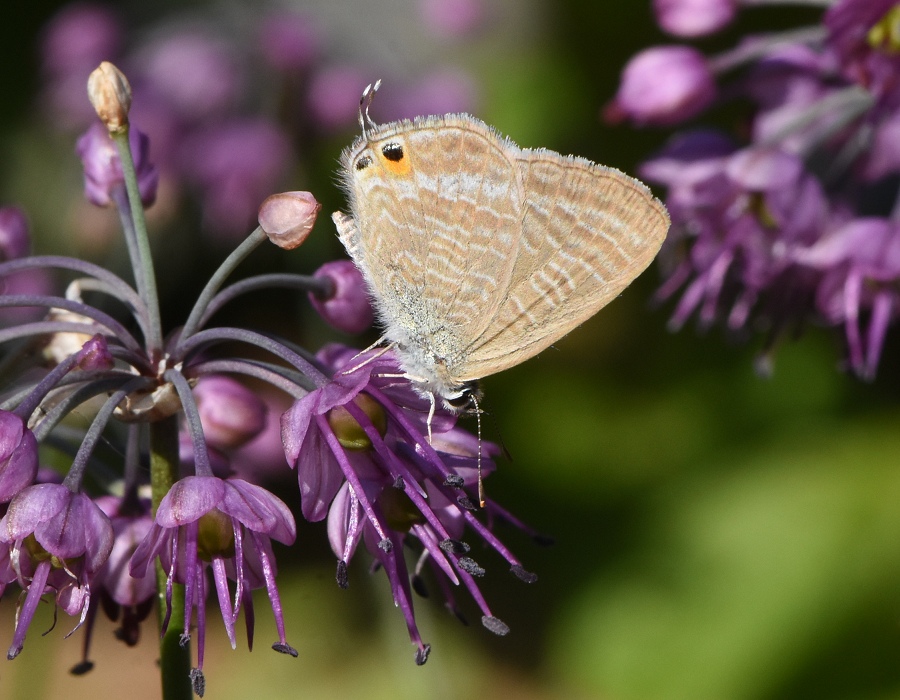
(392, 151)
(363, 163)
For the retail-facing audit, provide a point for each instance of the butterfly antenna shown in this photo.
(364, 103)
(481, 498)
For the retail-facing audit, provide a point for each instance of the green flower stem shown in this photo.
(145, 277)
(174, 659)
(247, 246)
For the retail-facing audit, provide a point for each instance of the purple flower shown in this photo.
(15, 241)
(235, 165)
(103, 168)
(195, 75)
(863, 35)
(663, 85)
(231, 414)
(348, 307)
(362, 455)
(693, 18)
(18, 456)
(745, 213)
(57, 541)
(441, 92)
(452, 18)
(860, 262)
(74, 42)
(288, 41)
(226, 525)
(333, 96)
(779, 228)
(121, 594)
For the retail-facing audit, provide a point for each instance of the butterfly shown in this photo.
(477, 253)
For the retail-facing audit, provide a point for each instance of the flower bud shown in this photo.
(14, 239)
(693, 18)
(231, 414)
(662, 86)
(95, 355)
(103, 167)
(347, 308)
(288, 218)
(110, 93)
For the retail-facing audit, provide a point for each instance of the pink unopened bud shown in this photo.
(347, 308)
(231, 414)
(110, 93)
(662, 86)
(14, 239)
(95, 355)
(288, 217)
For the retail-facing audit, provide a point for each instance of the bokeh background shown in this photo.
(718, 535)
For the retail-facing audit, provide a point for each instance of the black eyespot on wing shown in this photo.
(363, 162)
(392, 151)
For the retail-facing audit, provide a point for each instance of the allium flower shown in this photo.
(231, 414)
(794, 222)
(452, 18)
(863, 34)
(236, 165)
(861, 264)
(123, 596)
(288, 41)
(57, 541)
(103, 168)
(15, 241)
(663, 85)
(347, 308)
(693, 18)
(18, 455)
(362, 455)
(333, 97)
(226, 525)
(193, 73)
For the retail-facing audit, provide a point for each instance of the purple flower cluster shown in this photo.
(799, 220)
(381, 464)
(363, 458)
(204, 91)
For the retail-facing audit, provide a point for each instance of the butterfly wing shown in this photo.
(434, 223)
(587, 232)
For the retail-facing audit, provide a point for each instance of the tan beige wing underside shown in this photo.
(588, 231)
(436, 239)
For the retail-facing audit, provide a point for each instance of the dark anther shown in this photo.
(399, 483)
(470, 566)
(392, 151)
(422, 655)
(454, 481)
(342, 579)
(495, 625)
(363, 163)
(285, 649)
(522, 574)
(465, 503)
(80, 669)
(385, 545)
(184, 640)
(198, 682)
(450, 546)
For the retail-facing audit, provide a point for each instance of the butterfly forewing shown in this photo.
(439, 232)
(587, 232)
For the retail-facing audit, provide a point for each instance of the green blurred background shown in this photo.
(719, 536)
